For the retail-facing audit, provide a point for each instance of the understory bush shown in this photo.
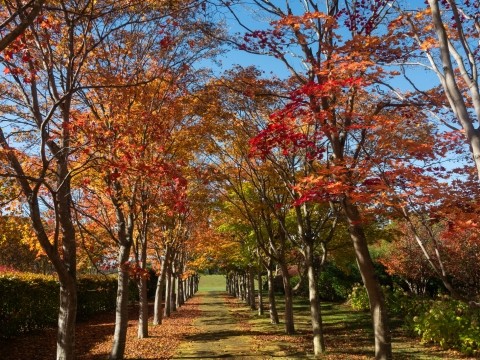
(31, 301)
(449, 323)
(334, 284)
(27, 302)
(399, 303)
(358, 298)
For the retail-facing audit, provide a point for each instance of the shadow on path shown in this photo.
(219, 336)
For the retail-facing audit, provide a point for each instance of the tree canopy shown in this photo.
(126, 145)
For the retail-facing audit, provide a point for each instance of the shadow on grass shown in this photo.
(222, 334)
(348, 334)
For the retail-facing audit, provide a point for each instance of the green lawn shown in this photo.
(212, 283)
(348, 333)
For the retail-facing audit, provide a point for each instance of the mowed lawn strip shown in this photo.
(219, 334)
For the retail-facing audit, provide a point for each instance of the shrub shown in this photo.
(27, 302)
(335, 284)
(451, 324)
(358, 298)
(398, 302)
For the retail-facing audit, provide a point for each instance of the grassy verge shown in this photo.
(212, 283)
(348, 334)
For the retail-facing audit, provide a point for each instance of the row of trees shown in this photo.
(110, 131)
(99, 143)
(338, 146)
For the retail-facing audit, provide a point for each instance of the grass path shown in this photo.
(223, 330)
(219, 333)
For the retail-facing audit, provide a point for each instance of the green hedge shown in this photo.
(95, 294)
(30, 301)
(27, 302)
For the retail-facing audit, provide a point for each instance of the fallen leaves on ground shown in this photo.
(94, 337)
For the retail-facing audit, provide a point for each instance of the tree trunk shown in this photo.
(271, 297)
(168, 292)
(184, 291)
(158, 311)
(66, 320)
(186, 288)
(140, 250)
(242, 286)
(383, 346)
(239, 286)
(246, 279)
(143, 308)
(246, 284)
(192, 285)
(121, 312)
(315, 310)
(173, 289)
(157, 307)
(260, 294)
(235, 285)
(251, 290)
(289, 323)
(67, 274)
(179, 298)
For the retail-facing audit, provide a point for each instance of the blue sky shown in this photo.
(424, 78)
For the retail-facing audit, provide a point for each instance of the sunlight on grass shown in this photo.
(348, 335)
(212, 283)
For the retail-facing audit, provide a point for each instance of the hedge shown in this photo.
(96, 294)
(31, 301)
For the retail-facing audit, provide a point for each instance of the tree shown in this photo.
(335, 113)
(19, 248)
(446, 34)
(16, 18)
